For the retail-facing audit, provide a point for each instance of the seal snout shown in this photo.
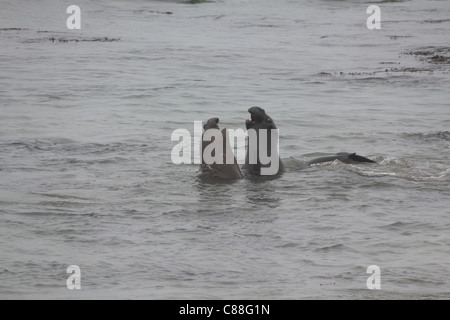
(257, 114)
(211, 124)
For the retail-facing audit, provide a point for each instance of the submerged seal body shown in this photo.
(223, 170)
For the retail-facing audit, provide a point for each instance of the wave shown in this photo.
(429, 137)
(334, 248)
(403, 226)
(71, 147)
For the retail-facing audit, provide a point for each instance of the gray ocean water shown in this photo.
(86, 176)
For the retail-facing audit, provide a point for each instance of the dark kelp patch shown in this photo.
(67, 40)
(434, 55)
(13, 29)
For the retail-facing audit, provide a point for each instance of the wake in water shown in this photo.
(411, 169)
(406, 170)
(395, 167)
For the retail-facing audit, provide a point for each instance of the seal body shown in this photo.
(223, 170)
(258, 121)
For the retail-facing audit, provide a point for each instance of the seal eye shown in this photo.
(269, 120)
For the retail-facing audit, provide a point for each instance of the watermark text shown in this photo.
(374, 21)
(374, 281)
(74, 21)
(74, 280)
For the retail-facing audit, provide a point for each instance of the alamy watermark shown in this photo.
(374, 21)
(74, 21)
(74, 280)
(374, 281)
(258, 147)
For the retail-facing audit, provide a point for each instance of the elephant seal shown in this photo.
(260, 120)
(224, 170)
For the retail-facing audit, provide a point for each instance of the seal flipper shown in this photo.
(344, 157)
(357, 158)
